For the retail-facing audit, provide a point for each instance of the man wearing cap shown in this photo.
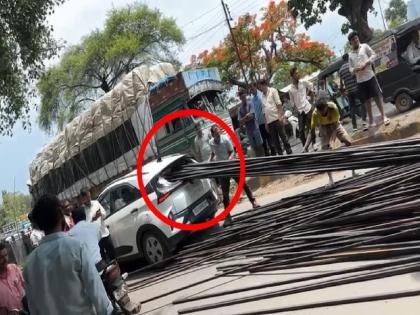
(361, 60)
(326, 117)
(246, 117)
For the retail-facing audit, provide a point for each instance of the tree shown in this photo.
(13, 206)
(355, 11)
(25, 43)
(264, 47)
(132, 36)
(396, 13)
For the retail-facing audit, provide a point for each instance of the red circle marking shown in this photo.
(148, 138)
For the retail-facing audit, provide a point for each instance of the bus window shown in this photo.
(177, 125)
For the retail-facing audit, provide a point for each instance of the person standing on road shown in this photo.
(298, 93)
(361, 60)
(246, 117)
(274, 117)
(201, 146)
(222, 150)
(349, 87)
(88, 233)
(11, 284)
(326, 116)
(94, 212)
(60, 277)
(260, 117)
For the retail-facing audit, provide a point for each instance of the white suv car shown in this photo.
(135, 230)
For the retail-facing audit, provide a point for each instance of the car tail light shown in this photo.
(163, 197)
(165, 188)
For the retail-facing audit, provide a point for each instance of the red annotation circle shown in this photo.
(148, 138)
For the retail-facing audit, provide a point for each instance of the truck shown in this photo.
(102, 143)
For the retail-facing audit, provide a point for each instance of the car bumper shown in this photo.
(189, 217)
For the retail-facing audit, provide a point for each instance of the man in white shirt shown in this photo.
(298, 93)
(201, 145)
(60, 277)
(274, 117)
(413, 50)
(222, 150)
(88, 234)
(95, 212)
(361, 60)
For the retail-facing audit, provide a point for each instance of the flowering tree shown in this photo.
(265, 46)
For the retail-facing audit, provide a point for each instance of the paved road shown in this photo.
(407, 306)
(163, 306)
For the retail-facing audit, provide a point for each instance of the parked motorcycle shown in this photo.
(117, 289)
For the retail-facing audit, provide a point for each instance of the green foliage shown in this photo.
(395, 23)
(13, 206)
(282, 79)
(265, 46)
(131, 36)
(396, 13)
(25, 43)
(355, 11)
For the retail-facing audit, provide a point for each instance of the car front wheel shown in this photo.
(155, 248)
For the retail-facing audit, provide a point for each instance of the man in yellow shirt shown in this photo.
(326, 117)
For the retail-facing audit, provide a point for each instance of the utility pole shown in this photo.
(228, 19)
(382, 14)
(14, 204)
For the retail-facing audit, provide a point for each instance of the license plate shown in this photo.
(200, 207)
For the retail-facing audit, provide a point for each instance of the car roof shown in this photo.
(149, 170)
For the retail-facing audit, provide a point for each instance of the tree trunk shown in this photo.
(356, 12)
(105, 86)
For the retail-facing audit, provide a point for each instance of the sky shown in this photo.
(203, 26)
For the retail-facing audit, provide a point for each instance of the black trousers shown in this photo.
(267, 143)
(225, 183)
(353, 97)
(107, 248)
(277, 132)
(304, 120)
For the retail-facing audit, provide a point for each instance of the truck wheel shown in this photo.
(155, 247)
(404, 102)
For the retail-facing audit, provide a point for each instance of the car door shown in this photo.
(112, 219)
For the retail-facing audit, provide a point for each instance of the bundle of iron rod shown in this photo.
(356, 157)
(371, 217)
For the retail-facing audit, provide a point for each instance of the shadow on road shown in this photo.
(194, 238)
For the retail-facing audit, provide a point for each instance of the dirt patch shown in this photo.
(285, 183)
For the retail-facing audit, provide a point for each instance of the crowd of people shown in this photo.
(73, 244)
(62, 274)
(261, 114)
